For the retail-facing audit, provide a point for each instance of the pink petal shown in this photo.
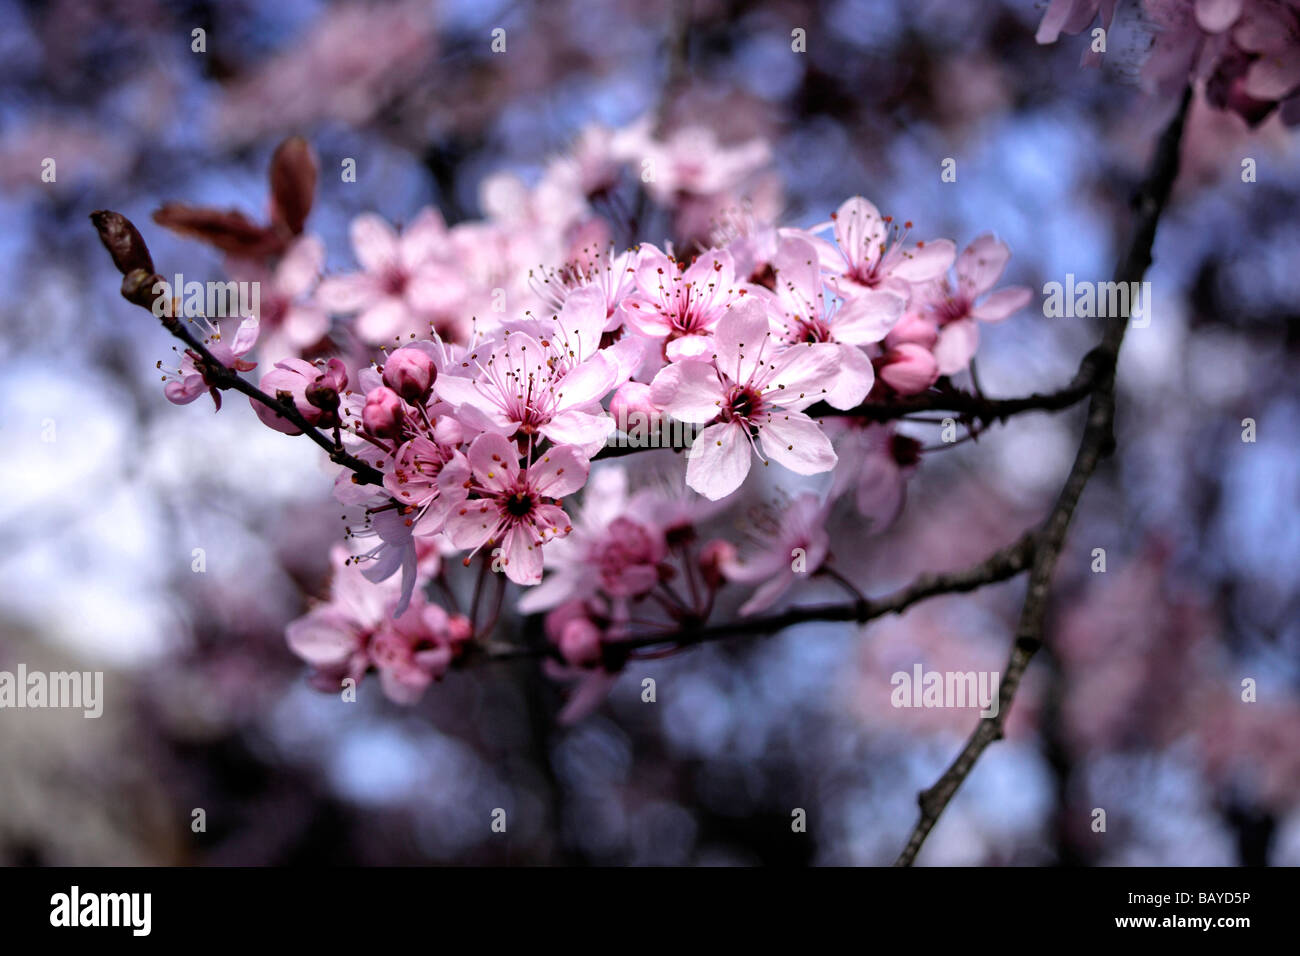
(855, 378)
(742, 338)
(689, 391)
(801, 375)
(718, 461)
(561, 471)
(956, 346)
(867, 317)
(859, 232)
(580, 428)
(522, 555)
(1002, 303)
(495, 460)
(374, 242)
(796, 441)
(586, 383)
(923, 263)
(981, 264)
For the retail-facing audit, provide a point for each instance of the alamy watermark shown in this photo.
(1098, 300)
(75, 908)
(216, 300)
(82, 690)
(957, 689)
(639, 429)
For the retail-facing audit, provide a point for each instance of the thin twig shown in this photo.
(1097, 442)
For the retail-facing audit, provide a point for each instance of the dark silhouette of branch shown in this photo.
(1006, 562)
(1097, 442)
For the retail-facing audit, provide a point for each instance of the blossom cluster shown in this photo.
(1246, 52)
(485, 370)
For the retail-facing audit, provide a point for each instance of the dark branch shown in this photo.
(1097, 442)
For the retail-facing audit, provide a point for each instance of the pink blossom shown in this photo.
(412, 651)
(682, 304)
(870, 252)
(529, 387)
(187, 382)
(355, 630)
(955, 311)
(513, 506)
(797, 547)
(403, 279)
(756, 387)
(875, 463)
(301, 379)
(615, 547)
(803, 314)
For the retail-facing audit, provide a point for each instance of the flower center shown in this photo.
(743, 403)
(519, 504)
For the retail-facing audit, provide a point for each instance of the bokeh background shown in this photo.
(1135, 707)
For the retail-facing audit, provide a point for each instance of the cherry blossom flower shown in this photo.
(412, 651)
(354, 630)
(802, 313)
(402, 280)
(796, 546)
(186, 383)
(615, 547)
(682, 304)
(875, 463)
(955, 310)
(756, 388)
(528, 387)
(515, 507)
(870, 252)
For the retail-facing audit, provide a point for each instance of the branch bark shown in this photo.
(1097, 442)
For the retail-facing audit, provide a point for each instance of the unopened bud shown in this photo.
(383, 413)
(410, 372)
(122, 240)
(139, 285)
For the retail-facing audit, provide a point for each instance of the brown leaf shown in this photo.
(228, 230)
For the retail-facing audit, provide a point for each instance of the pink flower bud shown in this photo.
(410, 372)
(580, 642)
(383, 413)
(908, 369)
(919, 329)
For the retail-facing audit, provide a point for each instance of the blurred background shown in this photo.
(106, 489)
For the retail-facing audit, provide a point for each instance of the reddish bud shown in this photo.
(383, 413)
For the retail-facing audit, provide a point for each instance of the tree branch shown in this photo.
(1097, 442)
(222, 377)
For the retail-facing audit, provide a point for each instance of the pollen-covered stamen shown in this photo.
(743, 403)
(889, 248)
